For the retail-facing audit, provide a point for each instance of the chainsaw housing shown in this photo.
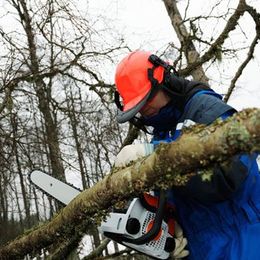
(127, 229)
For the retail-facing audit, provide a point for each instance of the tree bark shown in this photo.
(170, 164)
(98, 251)
(185, 38)
(43, 91)
(74, 125)
(26, 201)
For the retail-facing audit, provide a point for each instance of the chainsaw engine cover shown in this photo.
(136, 222)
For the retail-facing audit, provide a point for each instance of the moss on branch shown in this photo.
(174, 163)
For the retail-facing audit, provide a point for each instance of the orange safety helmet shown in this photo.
(138, 77)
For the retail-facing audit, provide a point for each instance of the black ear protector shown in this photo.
(156, 61)
(169, 70)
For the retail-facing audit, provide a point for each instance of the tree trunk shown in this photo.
(95, 234)
(18, 206)
(43, 93)
(185, 38)
(3, 202)
(36, 202)
(3, 212)
(26, 202)
(74, 125)
(170, 164)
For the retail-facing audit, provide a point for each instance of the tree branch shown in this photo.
(98, 251)
(230, 26)
(171, 164)
(189, 48)
(241, 68)
(256, 17)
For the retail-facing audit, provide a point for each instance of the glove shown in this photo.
(132, 152)
(180, 243)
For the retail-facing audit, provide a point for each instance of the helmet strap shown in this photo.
(137, 122)
(155, 85)
(117, 100)
(169, 69)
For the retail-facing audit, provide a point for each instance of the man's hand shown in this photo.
(132, 152)
(180, 243)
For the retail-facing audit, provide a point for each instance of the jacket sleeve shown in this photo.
(222, 182)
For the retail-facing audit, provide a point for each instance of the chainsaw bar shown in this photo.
(53, 187)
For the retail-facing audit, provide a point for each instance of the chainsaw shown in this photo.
(146, 224)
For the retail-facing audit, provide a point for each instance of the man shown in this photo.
(220, 217)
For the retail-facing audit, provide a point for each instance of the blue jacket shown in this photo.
(220, 217)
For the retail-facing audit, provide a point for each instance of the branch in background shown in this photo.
(64, 247)
(121, 255)
(256, 17)
(241, 68)
(186, 41)
(230, 26)
(170, 164)
(132, 134)
(98, 251)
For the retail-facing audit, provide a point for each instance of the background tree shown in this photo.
(56, 104)
(52, 96)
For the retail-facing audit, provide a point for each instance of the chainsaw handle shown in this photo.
(152, 233)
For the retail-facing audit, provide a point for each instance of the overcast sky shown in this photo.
(146, 25)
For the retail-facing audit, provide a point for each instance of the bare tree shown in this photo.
(55, 100)
(52, 44)
(199, 49)
(218, 144)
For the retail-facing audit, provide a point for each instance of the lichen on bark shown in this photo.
(174, 163)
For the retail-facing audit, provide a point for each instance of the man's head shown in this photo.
(139, 81)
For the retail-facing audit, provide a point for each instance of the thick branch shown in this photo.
(168, 165)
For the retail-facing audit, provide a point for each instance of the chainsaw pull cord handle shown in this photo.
(152, 233)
